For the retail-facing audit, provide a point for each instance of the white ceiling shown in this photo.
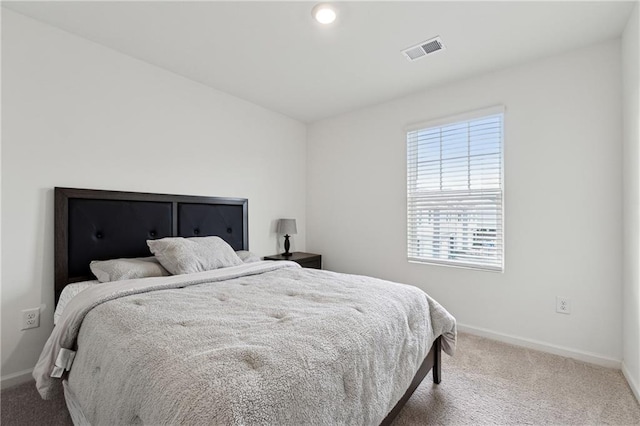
(273, 53)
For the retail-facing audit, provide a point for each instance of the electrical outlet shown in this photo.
(30, 318)
(563, 305)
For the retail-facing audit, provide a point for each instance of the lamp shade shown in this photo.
(287, 226)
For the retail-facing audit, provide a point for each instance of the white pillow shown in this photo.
(247, 256)
(127, 269)
(197, 254)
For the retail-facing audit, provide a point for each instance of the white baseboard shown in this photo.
(542, 346)
(16, 378)
(632, 383)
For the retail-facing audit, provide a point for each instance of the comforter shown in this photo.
(260, 343)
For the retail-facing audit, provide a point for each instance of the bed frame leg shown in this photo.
(437, 372)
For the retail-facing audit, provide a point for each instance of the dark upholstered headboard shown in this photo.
(99, 225)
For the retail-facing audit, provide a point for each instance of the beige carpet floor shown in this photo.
(487, 382)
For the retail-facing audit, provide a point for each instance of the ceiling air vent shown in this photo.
(423, 49)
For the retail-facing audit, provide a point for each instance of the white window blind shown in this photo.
(454, 192)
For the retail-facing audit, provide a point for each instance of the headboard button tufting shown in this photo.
(93, 224)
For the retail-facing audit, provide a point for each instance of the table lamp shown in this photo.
(286, 227)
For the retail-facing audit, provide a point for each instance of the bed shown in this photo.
(255, 342)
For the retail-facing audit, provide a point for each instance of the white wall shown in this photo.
(77, 114)
(562, 200)
(631, 199)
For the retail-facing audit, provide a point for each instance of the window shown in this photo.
(454, 191)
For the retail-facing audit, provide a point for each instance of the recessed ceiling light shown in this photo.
(324, 13)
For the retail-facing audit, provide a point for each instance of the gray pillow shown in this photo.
(197, 254)
(127, 269)
(247, 256)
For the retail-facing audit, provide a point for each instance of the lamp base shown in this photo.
(286, 246)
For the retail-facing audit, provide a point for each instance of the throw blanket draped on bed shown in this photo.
(262, 343)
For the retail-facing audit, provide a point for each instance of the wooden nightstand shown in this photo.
(306, 260)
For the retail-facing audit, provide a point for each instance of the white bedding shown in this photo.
(260, 343)
(68, 293)
(71, 290)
